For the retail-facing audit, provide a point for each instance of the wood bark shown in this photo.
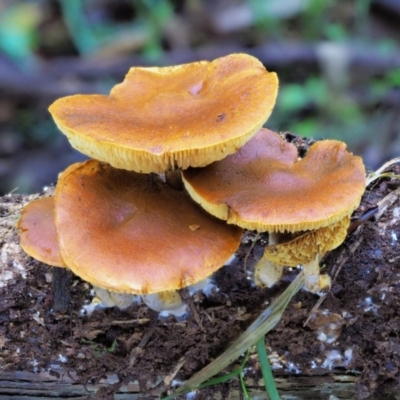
(22, 385)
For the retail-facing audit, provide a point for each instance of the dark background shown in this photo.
(338, 63)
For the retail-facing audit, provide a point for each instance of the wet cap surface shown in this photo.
(132, 233)
(265, 187)
(161, 118)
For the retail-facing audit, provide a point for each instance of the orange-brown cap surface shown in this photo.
(264, 186)
(38, 232)
(132, 233)
(179, 116)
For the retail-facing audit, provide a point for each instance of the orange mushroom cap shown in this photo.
(265, 187)
(179, 116)
(132, 233)
(38, 232)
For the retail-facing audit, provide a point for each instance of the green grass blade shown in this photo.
(243, 386)
(220, 379)
(266, 370)
(263, 324)
(241, 376)
(211, 382)
(379, 173)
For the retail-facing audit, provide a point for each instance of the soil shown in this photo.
(354, 333)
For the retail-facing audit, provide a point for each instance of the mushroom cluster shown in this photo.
(126, 232)
(117, 222)
(305, 204)
(113, 220)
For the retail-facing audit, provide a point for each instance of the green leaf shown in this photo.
(266, 370)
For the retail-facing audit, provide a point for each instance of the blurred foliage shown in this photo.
(18, 24)
(328, 100)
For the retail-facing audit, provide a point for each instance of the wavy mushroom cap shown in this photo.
(38, 236)
(266, 187)
(180, 116)
(132, 233)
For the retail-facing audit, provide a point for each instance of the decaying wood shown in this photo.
(22, 385)
(25, 385)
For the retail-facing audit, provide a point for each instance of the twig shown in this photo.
(61, 282)
(250, 250)
(45, 81)
(170, 377)
(139, 349)
(386, 202)
(314, 309)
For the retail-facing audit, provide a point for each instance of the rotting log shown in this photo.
(67, 384)
(20, 385)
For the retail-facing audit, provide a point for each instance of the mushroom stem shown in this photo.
(169, 301)
(173, 177)
(111, 299)
(267, 273)
(313, 281)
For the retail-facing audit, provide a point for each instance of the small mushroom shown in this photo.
(112, 299)
(130, 233)
(303, 203)
(169, 300)
(297, 248)
(38, 236)
(161, 119)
